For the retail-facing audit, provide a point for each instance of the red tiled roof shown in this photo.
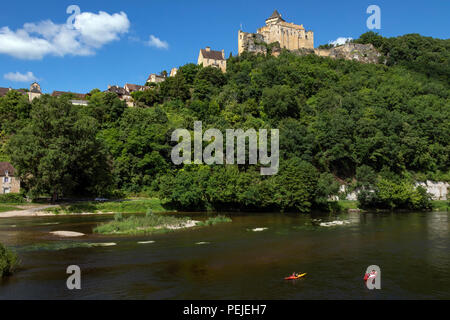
(81, 96)
(133, 87)
(6, 166)
(215, 55)
(156, 76)
(118, 90)
(3, 91)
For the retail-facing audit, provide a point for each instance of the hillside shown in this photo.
(339, 120)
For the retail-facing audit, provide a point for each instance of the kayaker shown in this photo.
(370, 276)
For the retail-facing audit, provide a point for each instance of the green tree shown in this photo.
(107, 108)
(57, 153)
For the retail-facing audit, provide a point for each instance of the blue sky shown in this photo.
(113, 48)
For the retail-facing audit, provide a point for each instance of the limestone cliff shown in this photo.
(365, 53)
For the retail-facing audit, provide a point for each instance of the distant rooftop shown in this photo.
(6, 166)
(81, 96)
(211, 54)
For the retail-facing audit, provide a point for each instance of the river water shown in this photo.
(236, 260)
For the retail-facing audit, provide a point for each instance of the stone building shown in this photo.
(208, 57)
(155, 78)
(9, 183)
(122, 93)
(290, 36)
(35, 91)
(173, 72)
(134, 87)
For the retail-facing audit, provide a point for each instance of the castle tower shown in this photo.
(274, 18)
(290, 36)
(35, 91)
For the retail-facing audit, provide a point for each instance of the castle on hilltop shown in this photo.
(289, 35)
(295, 38)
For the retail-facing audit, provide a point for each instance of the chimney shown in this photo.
(223, 53)
(208, 49)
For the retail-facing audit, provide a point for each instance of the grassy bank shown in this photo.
(440, 205)
(150, 223)
(153, 223)
(8, 261)
(128, 206)
(8, 207)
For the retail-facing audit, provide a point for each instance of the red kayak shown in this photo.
(295, 277)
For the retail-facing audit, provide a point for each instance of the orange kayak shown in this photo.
(295, 277)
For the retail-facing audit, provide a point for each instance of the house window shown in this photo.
(6, 179)
(6, 190)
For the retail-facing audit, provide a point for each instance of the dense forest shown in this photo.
(375, 127)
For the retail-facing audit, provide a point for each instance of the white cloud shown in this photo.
(99, 29)
(340, 41)
(158, 43)
(90, 31)
(20, 77)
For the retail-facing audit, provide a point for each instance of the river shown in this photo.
(236, 260)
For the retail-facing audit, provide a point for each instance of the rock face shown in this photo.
(68, 234)
(251, 42)
(438, 190)
(364, 53)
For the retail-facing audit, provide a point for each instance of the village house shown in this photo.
(122, 93)
(173, 72)
(9, 183)
(208, 57)
(134, 87)
(34, 92)
(81, 98)
(4, 91)
(155, 78)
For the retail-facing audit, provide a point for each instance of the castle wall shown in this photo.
(289, 35)
(250, 42)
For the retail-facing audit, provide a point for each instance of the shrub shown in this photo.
(389, 194)
(11, 198)
(8, 261)
(213, 221)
